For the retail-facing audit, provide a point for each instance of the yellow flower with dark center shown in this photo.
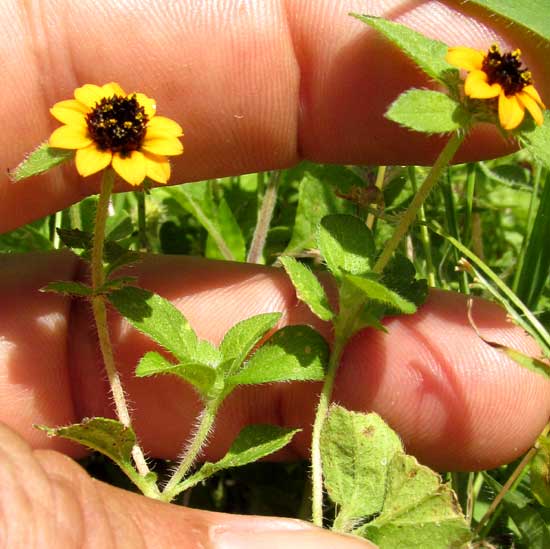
(106, 126)
(496, 74)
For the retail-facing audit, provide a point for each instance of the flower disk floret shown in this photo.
(108, 127)
(499, 75)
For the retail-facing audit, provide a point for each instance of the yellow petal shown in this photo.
(157, 167)
(161, 126)
(131, 168)
(510, 111)
(91, 160)
(532, 92)
(112, 88)
(476, 86)
(165, 146)
(465, 58)
(148, 103)
(89, 94)
(70, 137)
(70, 112)
(532, 106)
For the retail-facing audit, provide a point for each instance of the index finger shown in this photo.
(256, 85)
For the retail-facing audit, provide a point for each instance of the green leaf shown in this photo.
(400, 276)
(346, 244)
(533, 14)
(28, 238)
(201, 376)
(427, 111)
(535, 268)
(528, 362)
(294, 353)
(316, 199)
(428, 54)
(116, 256)
(374, 290)
(158, 318)
(208, 354)
(76, 239)
(418, 511)
(241, 338)
(253, 443)
(107, 436)
(537, 141)
(356, 449)
(308, 288)
(68, 288)
(540, 472)
(119, 226)
(230, 232)
(341, 179)
(196, 198)
(41, 160)
(116, 284)
(530, 519)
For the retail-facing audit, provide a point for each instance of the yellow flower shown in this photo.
(106, 126)
(494, 74)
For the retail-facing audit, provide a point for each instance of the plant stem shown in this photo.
(265, 216)
(505, 489)
(142, 225)
(471, 176)
(424, 234)
(409, 216)
(211, 225)
(531, 214)
(451, 218)
(54, 220)
(379, 184)
(344, 327)
(510, 484)
(192, 451)
(320, 416)
(100, 315)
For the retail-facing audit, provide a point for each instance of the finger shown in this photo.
(256, 86)
(456, 402)
(47, 500)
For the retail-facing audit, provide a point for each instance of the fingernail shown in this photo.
(314, 538)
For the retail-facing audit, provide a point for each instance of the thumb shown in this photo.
(47, 500)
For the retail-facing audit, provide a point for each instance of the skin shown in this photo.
(257, 86)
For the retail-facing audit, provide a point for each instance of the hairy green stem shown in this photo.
(100, 315)
(343, 329)
(320, 416)
(264, 219)
(192, 451)
(409, 216)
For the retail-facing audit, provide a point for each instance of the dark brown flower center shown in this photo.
(117, 124)
(505, 69)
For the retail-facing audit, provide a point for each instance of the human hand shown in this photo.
(460, 404)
